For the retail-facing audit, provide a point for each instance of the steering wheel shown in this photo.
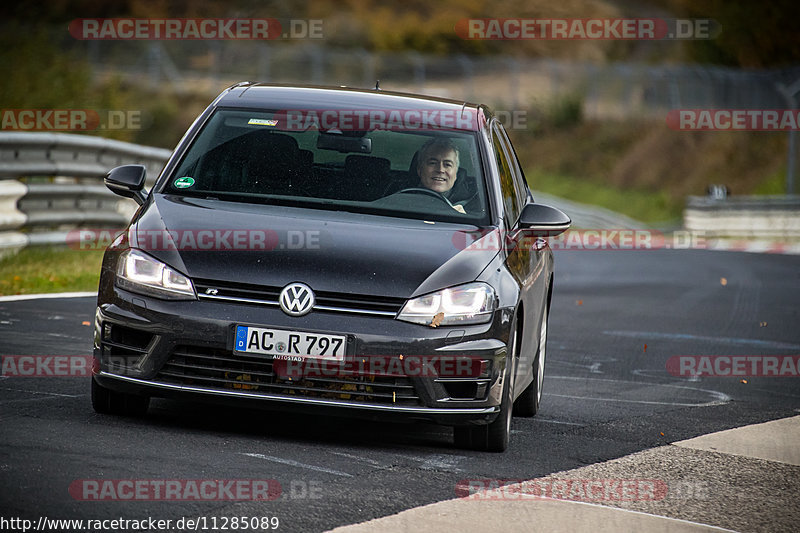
(422, 190)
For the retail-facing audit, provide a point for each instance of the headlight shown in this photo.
(138, 272)
(472, 303)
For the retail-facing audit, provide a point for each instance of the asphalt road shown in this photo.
(606, 396)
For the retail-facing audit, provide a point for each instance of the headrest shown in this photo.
(357, 164)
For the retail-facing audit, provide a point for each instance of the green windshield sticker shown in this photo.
(183, 183)
(262, 122)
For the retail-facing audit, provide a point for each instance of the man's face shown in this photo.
(438, 171)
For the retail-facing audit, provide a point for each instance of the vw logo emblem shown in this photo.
(296, 299)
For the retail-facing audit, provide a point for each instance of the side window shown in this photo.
(522, 183)
(511, 200)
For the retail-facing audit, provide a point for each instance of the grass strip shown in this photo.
(646, 206)
(50, 269)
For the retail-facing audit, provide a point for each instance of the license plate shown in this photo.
(289, 344)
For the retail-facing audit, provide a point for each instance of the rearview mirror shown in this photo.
(544, 220)
(127, 181)
(344, 144)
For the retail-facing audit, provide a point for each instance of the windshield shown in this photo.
(268, 158)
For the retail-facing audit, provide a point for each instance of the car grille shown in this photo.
(325, 301)
(220, 370)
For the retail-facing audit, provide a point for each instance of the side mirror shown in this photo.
(543, 220)
(127, 181)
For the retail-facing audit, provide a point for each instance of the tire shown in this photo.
(528, 402)
(492, 437)
(108, 402)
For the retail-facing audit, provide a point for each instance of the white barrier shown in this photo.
(744, 216)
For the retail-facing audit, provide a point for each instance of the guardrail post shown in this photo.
(11, 218)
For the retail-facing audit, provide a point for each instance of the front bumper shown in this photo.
(184, 349)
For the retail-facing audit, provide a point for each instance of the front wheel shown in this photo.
(493, 437)
(528, 402)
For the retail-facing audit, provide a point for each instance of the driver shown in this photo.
(437, 167)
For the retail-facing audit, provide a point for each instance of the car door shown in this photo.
(524, 254)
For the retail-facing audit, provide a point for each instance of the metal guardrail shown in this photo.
(744, 216)
(66, 154)
(72, 194)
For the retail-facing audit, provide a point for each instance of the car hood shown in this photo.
(330, 251)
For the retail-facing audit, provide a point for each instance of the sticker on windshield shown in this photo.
(183, 183)
(262, 122)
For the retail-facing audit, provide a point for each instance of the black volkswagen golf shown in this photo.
(355, 252)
